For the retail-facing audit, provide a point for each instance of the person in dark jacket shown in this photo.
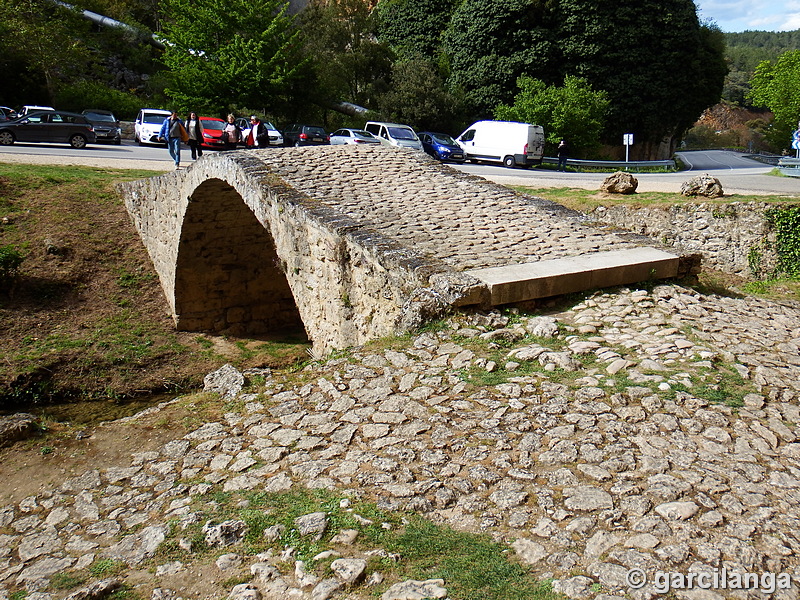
(563, 151)
(195, 130)
(173, 133)
(258, 136)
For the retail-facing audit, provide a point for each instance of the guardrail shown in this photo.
(620, 165)
(789, 166)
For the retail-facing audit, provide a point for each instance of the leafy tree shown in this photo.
(41, 45)
(222, 53)
(490, 43)
(776, 85)
(349, 64)
(418, 96)
(413, 28)
(573, 111)
(659, 66)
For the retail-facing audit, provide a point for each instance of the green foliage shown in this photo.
(94, 94)
(490, 43)
(67, 580)
(574, 111)
(347, 61)
(222, 53)
(10, 261)
(105, 567)
(785, 221)
(776, 85)
(413, 28)
(418, 96)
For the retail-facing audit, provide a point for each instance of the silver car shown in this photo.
(49, 126)
(353, 136)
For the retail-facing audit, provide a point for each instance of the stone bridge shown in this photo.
(356, 243)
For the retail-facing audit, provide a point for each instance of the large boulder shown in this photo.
(702, 185)
(620, 183)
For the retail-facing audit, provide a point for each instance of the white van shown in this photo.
(508, 142)
(394, 134)
(148, 125)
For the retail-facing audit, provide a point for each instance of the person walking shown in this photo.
(194, 128)
(563, 150)
(173, 133)
(231, 134)
(258, 136)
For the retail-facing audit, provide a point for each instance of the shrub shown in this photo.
(10, 260)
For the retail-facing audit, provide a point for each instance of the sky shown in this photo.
(743, 15)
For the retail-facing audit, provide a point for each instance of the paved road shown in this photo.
(737, 173)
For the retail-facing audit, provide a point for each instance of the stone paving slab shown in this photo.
(517, 283)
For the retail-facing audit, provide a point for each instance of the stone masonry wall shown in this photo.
(724, 234)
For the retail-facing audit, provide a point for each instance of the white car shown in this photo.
(394, 134)
(275, 136)
(148, 125)
(353, 136)
(29, 108)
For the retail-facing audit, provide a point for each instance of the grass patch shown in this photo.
(67, 580)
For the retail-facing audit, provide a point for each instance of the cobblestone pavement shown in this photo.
(461, 219)
(653, 429)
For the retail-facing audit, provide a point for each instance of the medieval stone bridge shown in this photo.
(355, 243)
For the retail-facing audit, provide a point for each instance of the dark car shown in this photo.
(305, 135)
(441, 146)
(50, 126)
(106, 125)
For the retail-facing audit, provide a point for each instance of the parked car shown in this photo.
(10, 113)
(394, 134)
(305, 135)
(48, 126)
(441, 146)
(353, 136)
(275, 136)
(148, 125)
(106, 125)
(29, 108)
(212, 133)
(508, 142)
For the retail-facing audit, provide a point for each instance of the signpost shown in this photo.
(627, 139)
(796, 140)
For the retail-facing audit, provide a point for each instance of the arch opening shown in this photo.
(228, 277)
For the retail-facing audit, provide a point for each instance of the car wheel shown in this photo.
(6, 138)
(509, 162)
(117, 142)
(77, 141)
(138, 140)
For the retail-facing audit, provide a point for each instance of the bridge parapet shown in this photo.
(353, 243)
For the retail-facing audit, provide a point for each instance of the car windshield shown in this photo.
(319, 131)
(363, 134)
(444, 139)
(100, 117)
(152, 118)
(270, 126)
(402, 133)
(219, 125)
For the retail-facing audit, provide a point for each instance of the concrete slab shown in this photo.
(528, 281)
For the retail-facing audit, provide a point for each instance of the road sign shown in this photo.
(627, 139)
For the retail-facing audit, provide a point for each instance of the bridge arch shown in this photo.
(228, 275)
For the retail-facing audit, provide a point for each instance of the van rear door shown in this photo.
(534, 148)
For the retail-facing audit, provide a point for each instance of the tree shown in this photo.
(418, 96)
(777, 87)
(222, 53)
(573, 111)
(348, 62)
(413, 28)
(490, 43)
(659, 66)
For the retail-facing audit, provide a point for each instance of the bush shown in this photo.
(91, 94)
(10, 260)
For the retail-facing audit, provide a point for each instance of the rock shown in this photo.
(227, 533)
(226, 381)
(349, 570)
(416, 590)
(228, 561)
(326, 588)
(677, 510)
(575, 587)
(619, 183)
(245, 591)
(529, 552)
(96, 591)
(702, 185)
(17, 427)
(312, 524)
(587, 498)
(135, 548)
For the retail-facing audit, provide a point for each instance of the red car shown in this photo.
(212, 133)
